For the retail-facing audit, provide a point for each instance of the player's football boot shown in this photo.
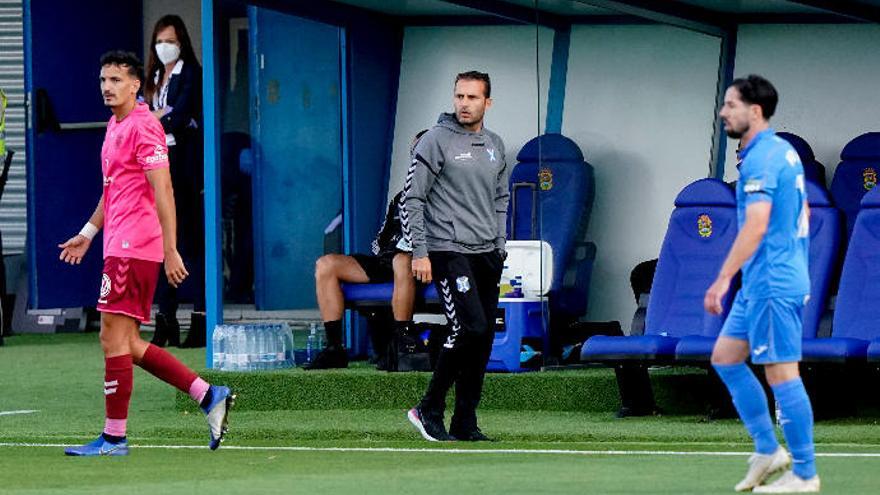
(762, 466)
(429, 425)
(217, 413)
(791, 483)
(99, 446)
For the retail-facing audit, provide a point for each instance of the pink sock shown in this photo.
(115, 427)
(198, 389)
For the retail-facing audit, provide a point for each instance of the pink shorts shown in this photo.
(127, 287)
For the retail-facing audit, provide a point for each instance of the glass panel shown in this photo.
(388, 91)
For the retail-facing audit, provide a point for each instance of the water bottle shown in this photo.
(312, 344)
(252, 357)
(241, 340)
(218, 343)
(232, 348)
(287, 334)
(266, 347)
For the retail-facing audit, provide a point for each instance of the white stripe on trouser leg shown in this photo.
(108, 391)
(449, 307)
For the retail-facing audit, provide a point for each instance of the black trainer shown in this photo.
(429, 425)
(330, 357)
(468, 435)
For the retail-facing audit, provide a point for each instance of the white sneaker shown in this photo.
(791, 483)
(761, 467)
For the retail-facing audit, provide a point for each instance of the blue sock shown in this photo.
(751, 404)
(797, 425)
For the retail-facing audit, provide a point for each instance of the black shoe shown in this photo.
(197, 330)
(429, 425)
(167, 331)
(331, 357)
(468, 435)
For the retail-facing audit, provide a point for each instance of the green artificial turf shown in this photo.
(60, 376)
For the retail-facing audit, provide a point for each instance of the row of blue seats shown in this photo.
(855, 175)
(702, 229)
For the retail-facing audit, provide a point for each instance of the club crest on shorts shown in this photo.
(463, 284)
(105, 286)
(704, 226)
(545, 179)
(869, 178)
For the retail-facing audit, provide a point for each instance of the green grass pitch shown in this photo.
(365, 450)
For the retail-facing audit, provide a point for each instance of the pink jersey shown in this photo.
(132, 146)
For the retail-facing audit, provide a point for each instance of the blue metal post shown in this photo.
(558, 76)
(213, 248)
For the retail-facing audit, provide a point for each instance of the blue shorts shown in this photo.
(773, 327)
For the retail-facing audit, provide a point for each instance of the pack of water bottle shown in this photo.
(252, 347)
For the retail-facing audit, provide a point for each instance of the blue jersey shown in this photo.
(771, 171)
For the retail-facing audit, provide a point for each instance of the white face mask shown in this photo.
(168, 52)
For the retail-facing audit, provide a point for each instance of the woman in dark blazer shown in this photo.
(173, 90)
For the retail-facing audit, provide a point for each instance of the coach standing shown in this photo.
(455, 217)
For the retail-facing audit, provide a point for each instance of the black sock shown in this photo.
(333, 331)
(402, 327)
(112, 438)
(206, 400)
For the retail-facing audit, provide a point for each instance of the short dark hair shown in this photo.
(127, 60)
(477, 76)
(755, 90)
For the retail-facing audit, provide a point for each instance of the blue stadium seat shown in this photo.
(825, 237)
(552, 193)
(856, 174)
(358, 295)
(813, 170)
(701, 230)
(855, 318)
(874, 350)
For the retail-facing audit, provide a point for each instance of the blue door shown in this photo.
(66, 122)
(296, 127)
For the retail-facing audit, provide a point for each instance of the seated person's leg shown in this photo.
(404, 295)
(330, 270)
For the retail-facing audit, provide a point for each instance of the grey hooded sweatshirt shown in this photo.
(456, 191)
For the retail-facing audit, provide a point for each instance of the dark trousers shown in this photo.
(468, 285)
(189, 205)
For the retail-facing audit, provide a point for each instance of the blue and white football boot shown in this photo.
(99, 446)
(217, 413)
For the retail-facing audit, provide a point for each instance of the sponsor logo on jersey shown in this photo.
(159, 155)
(753, 185)
(704, 226)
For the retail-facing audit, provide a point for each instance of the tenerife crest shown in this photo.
(704, 226)
(545, 179)
(869, 178)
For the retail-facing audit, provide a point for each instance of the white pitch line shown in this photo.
(23, 411)
(293, 448)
